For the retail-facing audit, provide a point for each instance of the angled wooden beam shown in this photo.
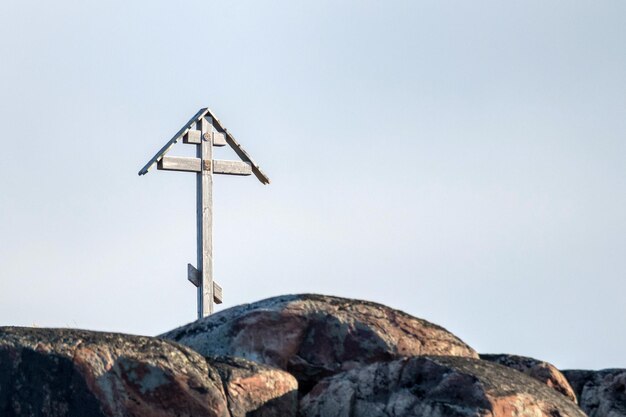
(171, 142)
(180, 163)
(231, 167)
(230, 139)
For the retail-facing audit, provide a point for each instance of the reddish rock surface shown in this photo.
(313, 336)
(540, 370)
(67, 373)
(435, 387)
(255, 390)
(600, 393)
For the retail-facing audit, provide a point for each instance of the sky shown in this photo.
(460, 161)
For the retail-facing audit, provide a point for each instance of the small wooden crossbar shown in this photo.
(194, 276)
(193, 138)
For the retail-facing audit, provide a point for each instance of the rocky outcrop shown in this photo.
(435, 387)
(60, 372)
(314, 336)
(600, 393)
(298, 355)
(540, 370)
(255, 390)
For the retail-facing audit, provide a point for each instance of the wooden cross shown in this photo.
(204, 131)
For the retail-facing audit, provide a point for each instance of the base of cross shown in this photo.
(195, 277)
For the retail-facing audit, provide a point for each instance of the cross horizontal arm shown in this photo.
(180, 163)
(189, 164)
(231, 167)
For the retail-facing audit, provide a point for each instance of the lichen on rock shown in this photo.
(435, 386)
(314, 336)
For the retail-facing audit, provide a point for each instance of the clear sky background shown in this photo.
(462, 161)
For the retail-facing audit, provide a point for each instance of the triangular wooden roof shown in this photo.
(256, 170)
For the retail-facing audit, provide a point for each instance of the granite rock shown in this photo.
(314, 336)
(600, 393)
(256, 390)
(540, 370)
(67, 373)
(435, 386)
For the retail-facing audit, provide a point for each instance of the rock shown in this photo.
(57, 372)
(314, 336)
(435, 386)
(67, 373)
(600, 393)
(540, 370)
(255, 390)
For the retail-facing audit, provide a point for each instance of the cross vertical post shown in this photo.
(204, 211)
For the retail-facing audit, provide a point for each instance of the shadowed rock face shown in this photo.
(255, 390)
(313, 336)
(600, 393)
(435, 386)
(540, 370)
(59, 372)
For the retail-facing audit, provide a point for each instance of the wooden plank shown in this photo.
(192, 137)
(171, 142)
(219, 139)
(217, 293)
(204, 208)
(231, 167)
(193, 275)
(180, 163)
(190, 164)
(230, 139)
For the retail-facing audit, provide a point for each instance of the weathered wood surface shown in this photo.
(204, 189)
(230, 139)
(195, 277)
(221, 130)
(219, 139)
(204, 131)
(172, 141)
(190, 164)
(217, 293)
(179, 163)
(192, 137)
(231, 167)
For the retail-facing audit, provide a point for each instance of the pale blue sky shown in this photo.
(461, 161)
